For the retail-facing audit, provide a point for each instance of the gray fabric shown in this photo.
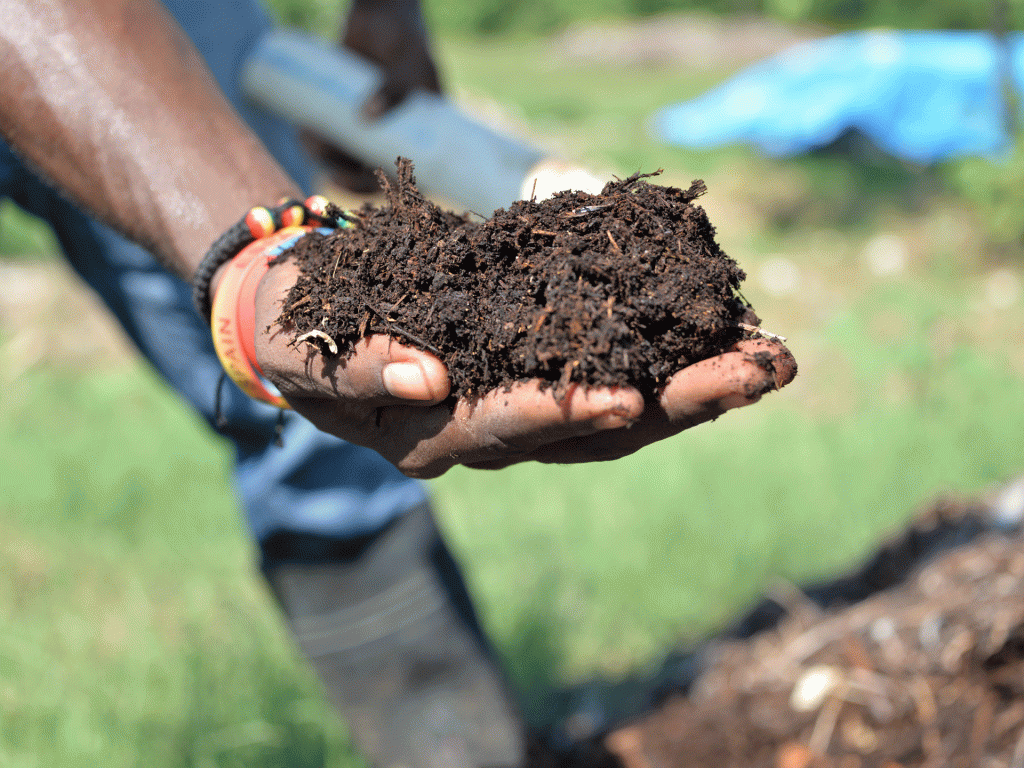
(414, 679)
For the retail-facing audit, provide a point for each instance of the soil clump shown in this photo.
(621, 288)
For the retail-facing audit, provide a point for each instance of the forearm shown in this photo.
(111, 102)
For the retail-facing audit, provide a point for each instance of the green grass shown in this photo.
(133, 630)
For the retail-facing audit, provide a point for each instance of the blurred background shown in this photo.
(133, 630)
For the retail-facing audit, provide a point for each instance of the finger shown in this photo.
(773, 355)
(511, 424)
(344, 170)
(727, 381)
(697, 394)
(415, 72)
(380, 372)
(390, 94)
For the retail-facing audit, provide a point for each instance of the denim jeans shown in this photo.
(312, 484)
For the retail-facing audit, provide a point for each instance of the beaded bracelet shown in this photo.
(248, 248)
(258, 223)
(233, 315)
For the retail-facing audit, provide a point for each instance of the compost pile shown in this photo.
(625, 287)
(929, 673)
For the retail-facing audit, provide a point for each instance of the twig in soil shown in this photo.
(615, 245)
(541, 318)
(400, 331)
(791, 598)
(825, 725)
(762, 332)
(951, 656)
(1002, 626)
(1018, 753)
(927, 710)
(980, 729)
(308, 337)
(395, 305)
(1010, 720)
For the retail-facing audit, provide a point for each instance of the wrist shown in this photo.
(228, 278)
(257, 224)
(233, 314)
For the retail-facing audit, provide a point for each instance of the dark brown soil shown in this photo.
(928, 673)
(625, 287)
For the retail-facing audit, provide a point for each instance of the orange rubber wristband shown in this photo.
(233, 320)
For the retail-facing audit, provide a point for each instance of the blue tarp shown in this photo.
(923, 96)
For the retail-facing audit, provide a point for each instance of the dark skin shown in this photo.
(391, 34)
(104, 97)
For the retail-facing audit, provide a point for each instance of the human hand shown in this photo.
(391, 397)
(391, 34)
(698, 393)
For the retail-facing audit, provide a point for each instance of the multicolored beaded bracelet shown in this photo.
(248, 248)
(258, 223)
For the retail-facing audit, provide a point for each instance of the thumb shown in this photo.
(406, 374)
(380, 371)
(377, 371)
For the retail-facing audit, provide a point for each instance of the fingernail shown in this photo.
(613, 420)
(406, 381)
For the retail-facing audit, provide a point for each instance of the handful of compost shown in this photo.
(624, 288)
